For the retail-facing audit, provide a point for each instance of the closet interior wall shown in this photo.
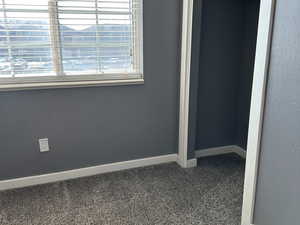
(224, 44)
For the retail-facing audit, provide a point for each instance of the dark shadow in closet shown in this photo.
(224, 44)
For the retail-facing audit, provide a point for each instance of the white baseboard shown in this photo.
(240, 151)
(191, 163)
(181, 163)
(85, 172)
(221, 151)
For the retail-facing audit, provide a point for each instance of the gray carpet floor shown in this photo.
(210, 194)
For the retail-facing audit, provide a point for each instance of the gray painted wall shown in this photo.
(93, 126)
(278, 191)
(194, 78)
(220, 51)
(226, 39)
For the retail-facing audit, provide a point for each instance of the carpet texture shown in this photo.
(210, 194)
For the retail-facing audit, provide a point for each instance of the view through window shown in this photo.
(69, 37)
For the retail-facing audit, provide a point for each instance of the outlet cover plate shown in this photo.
(44, 145)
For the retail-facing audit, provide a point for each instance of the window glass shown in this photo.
(25, 39)
(64, 38)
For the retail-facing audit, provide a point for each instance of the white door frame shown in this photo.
(265, 25)
(186, 52)
(262, 59)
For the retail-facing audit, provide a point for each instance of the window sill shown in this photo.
(68, 84)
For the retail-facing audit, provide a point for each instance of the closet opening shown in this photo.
(223, 55)
(224, 45)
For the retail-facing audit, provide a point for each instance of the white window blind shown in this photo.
(46, 40)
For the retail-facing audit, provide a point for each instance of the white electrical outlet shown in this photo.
(44, 145)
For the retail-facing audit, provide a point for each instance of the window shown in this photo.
(70, 40)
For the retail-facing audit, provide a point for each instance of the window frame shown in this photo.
(60, 80)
